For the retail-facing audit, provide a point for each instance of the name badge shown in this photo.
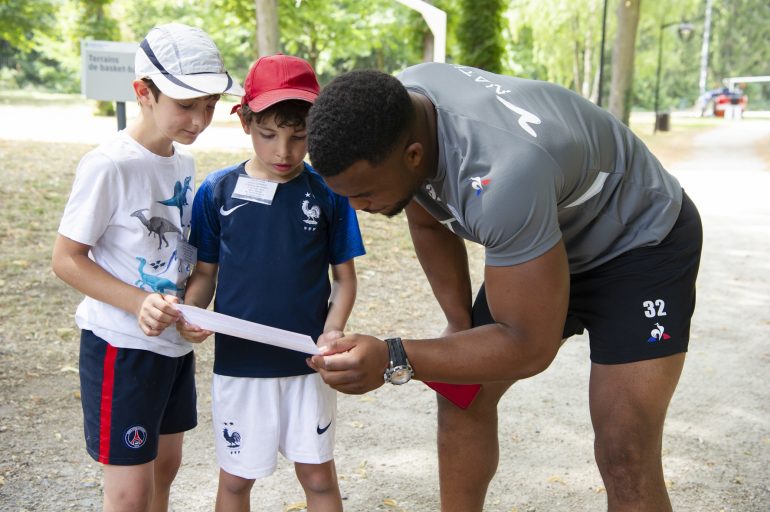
(186, 252)
(255, 190)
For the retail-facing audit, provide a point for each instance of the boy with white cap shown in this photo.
(267, 232)
(122, 243)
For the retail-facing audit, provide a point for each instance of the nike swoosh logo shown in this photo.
(322, 430)
(225, 213)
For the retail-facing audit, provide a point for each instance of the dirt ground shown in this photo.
(717, 442)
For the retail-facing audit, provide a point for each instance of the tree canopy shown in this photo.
(551, 40)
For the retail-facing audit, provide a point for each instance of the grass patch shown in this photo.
(31, 97)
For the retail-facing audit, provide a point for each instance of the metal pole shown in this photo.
(704, 53)
(120, 113)
(601, 56)
(657, 76)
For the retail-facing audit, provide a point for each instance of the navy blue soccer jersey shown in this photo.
(273, 263)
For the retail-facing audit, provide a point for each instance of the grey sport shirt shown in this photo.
(524, 163)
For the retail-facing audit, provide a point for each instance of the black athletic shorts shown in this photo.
(130, 397)
(638, 305)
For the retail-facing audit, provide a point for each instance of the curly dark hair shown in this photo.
(360, 115)
(287, 113)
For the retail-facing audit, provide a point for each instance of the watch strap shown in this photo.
(396, 353)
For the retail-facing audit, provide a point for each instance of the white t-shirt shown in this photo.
(132, 206)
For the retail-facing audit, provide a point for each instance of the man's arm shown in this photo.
(529, 304)
(72, 265)
(444, 260)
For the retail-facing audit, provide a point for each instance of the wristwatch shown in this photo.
(399, 371)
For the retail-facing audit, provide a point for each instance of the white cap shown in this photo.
(184, 63)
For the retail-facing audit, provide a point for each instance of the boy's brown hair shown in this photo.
(287, 113)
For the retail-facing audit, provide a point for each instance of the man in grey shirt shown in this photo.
(582, 229)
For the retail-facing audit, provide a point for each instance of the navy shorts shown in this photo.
(130, 398)
(638, 305)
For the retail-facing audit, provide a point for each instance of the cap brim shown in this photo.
(183, 87)
(270, 98)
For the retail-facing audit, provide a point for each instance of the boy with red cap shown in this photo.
(122, 243)
(266, 231)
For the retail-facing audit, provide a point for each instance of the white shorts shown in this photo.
(255, 418)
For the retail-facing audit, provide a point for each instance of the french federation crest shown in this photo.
(311, 213)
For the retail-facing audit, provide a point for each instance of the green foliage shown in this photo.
(554, 40)
(521, 59)
(740, 43)
(21, 21)
(95, 22)
(230, 23)
(336, 36)
(35, 51)
(479, 34)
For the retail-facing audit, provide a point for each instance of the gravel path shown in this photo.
(717, 443)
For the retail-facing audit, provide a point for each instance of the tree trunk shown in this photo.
(428, 43)
(623, 59)
(267, 27)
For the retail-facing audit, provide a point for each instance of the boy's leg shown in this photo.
(309, 425)
(166, 466)
(233, 493)
(130, 399)
(179, 416)
(245, 417)
(128, 488)
(320, 484)
(628, 407)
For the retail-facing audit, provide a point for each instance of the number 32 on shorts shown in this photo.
(653, 308)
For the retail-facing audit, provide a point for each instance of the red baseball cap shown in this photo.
(278, 78)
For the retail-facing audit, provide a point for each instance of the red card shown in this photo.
(459, 394)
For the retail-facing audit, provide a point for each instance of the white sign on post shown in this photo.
(107, 70)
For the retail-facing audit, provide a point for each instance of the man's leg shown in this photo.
(468, 449)
(628, 407)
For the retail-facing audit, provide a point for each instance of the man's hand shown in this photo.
(157, 312)
(352, 364)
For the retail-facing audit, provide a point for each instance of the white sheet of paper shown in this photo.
(253, 331)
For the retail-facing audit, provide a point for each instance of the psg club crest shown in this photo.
(135, 437)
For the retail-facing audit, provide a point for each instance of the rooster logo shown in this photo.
(658, 334)
(478, 184)
(233, 438)
(311, 213)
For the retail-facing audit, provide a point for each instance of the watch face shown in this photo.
(401, 375)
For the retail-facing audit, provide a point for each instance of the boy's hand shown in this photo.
(191, 332)
(157, 312)
(328, 337)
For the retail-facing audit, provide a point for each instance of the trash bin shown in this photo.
(662, 121)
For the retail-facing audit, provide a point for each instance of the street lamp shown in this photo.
(685, 30)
